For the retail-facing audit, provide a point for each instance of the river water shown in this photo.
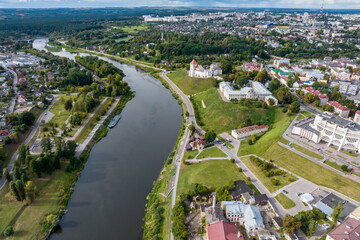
(110, 196)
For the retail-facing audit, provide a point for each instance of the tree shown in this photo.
(337, 212)
(75, 119)
(68, 104)
(9, 231)
(294, 107)
(45, 144)
(178, 226)
(344, 168)
(291, 224)
(22, 151)
(191, 127)
(210, 135)
(6, 174)
(30, 189)
(27, 118)
(14, 190)
(226, 65)
(20, 189)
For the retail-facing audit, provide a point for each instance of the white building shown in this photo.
(283, 61)
(340, 109)
(357, 117)
(248, 131)
(255, 90)
(197, 70)
(332, 129)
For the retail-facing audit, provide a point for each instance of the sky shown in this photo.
(329, 4)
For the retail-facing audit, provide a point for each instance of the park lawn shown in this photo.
(135, 29)
(306, 151)
(299, 117)
(212, 174)
(284, 141)
(190, 154)
(334, 165)
(93, 121)
(312, 171)
(211, 152)
(9, 207)
(271, 137)
(350, 153)
(307, 114)
(286, 202)
(60, 114)
(28, 225)
(283, 181)
(225, 116)
(124, 39)
(191, 85)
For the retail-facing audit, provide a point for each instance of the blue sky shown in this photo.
(330, 4)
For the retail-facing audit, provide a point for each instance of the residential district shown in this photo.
(270, 144)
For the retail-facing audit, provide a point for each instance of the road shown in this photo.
(27, 140)
(16, 90)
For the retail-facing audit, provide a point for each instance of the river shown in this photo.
(110, 196)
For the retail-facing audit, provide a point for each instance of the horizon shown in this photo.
(240, 4)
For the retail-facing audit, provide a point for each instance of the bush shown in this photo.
(248, 179)
(232, 160)
(9, 231)
(240, 169)
(274, 181)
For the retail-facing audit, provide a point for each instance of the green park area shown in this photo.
(93, 121)
(285, 201)
(27, 219)
(190, 154)
(225, 116)
(135, 29)
(58, 109)
(306, 151)
(211, 174)
(211, 152)
(190, 85)
(124, 39)
(272, 183)
(311, 171)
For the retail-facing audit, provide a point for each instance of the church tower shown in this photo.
(193, 65)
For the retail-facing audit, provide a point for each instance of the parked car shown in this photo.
(286, 192)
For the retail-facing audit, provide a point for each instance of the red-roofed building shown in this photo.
(250, 66)
(323, 98)
(347, 230)
(357, 117)
(224, 231)
(248, 131)
(340, 109)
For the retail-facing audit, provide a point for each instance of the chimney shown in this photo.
(214, 201)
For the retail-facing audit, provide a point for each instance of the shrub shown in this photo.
(240, 169)
(232, 160)
(9, 231)
(275, 182)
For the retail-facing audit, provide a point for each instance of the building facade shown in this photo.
(248, 131)
(332, 129)
(198, 71)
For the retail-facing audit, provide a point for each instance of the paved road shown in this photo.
(27, 140)
(15, 82)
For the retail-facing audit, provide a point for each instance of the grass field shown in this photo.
(335, 165)
(312, 171)
(307, 114)
(286, 202)
(135, 29)
(212, 174)
(306, 151)
(9, 207)
(93, 121)
(190, 85)
(350, 153)
(284, 141)
(298, 118)
(61, 115)
(124, 39)
(271, 137)
(224, 116)
(283, 180)
(211, 152)
(190, 154)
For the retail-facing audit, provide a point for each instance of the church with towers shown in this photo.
(198, 71)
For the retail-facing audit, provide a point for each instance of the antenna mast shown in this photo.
(322, 8)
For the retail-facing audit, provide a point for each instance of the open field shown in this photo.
(124, 39)
(284, 141)
(306, 151)
(212, 174)
(283, 180)
(190, 85)
(134, 29)
(93, 121)
(190, 154)
(61, 115)
(271, 137)
(9, 207)
(211, 152)
(225, 116)
(307, 114)
(298, 118)
(312, 171)
(285, 201)
(335, 165)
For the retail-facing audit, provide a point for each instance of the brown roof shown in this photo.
(193, 62)
(251, 128)
(348, 230)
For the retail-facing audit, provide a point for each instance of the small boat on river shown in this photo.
(114, 121)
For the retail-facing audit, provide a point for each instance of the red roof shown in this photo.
(4, 132)
(223, 231)
(348, 230)
(193, 62)
(357, 112)
(315, 92)
(338, 106)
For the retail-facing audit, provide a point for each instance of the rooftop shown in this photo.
(338, 105)
(224, 231)
(348, 230)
